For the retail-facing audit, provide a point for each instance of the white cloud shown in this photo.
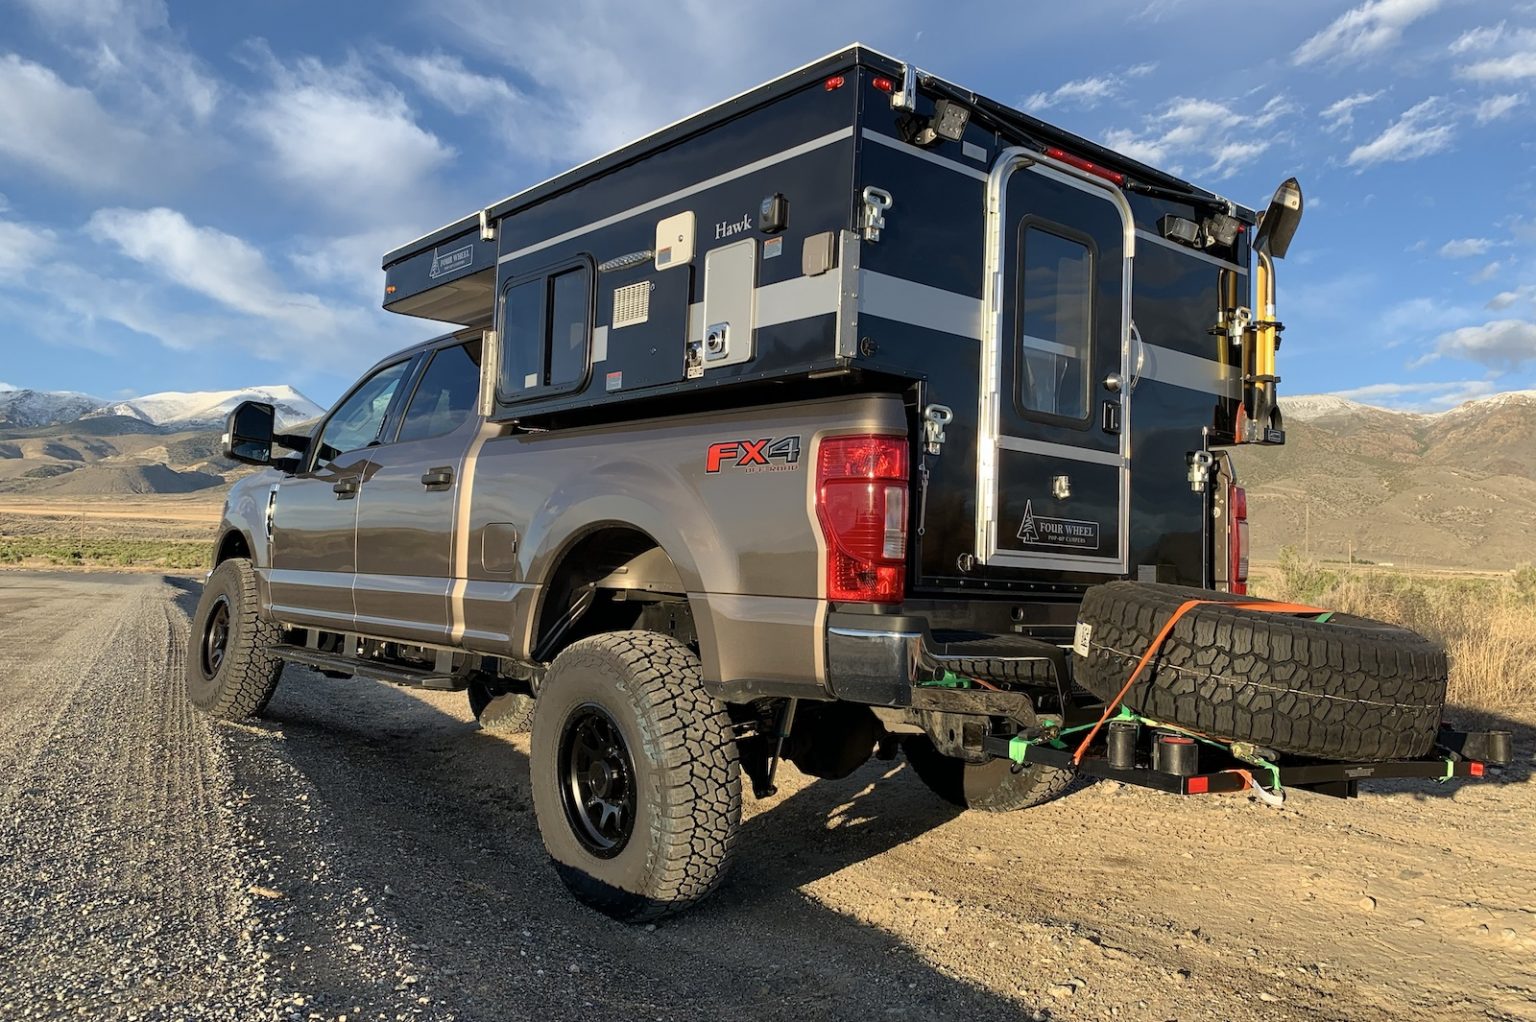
(1513, 59)
(6, 386)
(129, 48)
(1418, 396)
(1501, 344)
(1487, 273)
(1087, 93)
(1504, 299)
(1341, 113)
(1494, 107)
(24, 248)
(1223, 138)
(1477, 39)
(347, 138)
(1462, 248)
(449, 83)
(1422, 130)
(210, 262)
(1362, 31)
(61, 129)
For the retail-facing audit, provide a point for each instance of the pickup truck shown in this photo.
(857, 416)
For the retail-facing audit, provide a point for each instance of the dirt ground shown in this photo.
(367, 852)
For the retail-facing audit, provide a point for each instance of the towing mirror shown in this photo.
(1280, 220)
(248, 433)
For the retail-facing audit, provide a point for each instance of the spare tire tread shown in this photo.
(1350, 688)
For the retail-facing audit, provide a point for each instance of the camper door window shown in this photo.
(546, 326)
(1055, 320)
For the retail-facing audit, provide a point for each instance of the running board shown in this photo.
(395, 674)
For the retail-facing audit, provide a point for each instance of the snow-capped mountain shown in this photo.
(1309, 407)
(209, 407)
(33, 409)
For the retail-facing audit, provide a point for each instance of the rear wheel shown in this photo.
(636, 779)
(508, 713)
(995, 786)
(229, 671)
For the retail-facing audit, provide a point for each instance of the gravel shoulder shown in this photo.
(367, 851)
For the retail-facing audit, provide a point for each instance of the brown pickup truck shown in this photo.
(857, 416)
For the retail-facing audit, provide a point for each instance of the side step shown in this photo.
(395, 674)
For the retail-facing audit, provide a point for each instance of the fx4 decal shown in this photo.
(765, 455)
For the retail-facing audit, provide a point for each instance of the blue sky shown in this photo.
(196, 196)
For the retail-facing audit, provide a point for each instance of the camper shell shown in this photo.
(817, 235)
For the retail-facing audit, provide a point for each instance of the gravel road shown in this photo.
(366, 852)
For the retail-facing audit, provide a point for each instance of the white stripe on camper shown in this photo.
(683, 193)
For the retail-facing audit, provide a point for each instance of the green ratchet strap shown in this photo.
(1018, 747)
(1324, 618)
(1450, 770)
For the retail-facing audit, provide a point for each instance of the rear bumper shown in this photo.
(881, 659)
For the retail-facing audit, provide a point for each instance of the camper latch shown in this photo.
(487, 226)
(876, 202)
(1200, 465)
(935, 418)
(905, 98)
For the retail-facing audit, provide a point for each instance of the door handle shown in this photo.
(437, 478)
(1112, 417)
(345, 489)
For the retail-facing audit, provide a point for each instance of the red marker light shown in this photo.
(884, 84)
(1197, 786)
(1086, 165)
(835, 82)
(1476, 769)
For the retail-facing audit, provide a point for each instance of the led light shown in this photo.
(1087, 165)
(833, 83)
(884, 84)
(949, 120)
(1176, 228)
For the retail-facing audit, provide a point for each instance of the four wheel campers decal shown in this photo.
(1072, 533)
(765, 455)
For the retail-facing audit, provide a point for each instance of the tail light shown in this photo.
(861, 502)
(1237, 539)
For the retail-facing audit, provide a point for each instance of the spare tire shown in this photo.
(1346, 688)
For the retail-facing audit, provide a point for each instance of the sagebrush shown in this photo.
(1486, 623)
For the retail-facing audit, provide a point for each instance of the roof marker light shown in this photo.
(884, 84)
(1086, 165)
(833, 83)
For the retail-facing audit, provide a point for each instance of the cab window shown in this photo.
(1055, 319)
(359, 420)
(446, 397)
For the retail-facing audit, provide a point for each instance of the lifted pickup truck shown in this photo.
(856, 416)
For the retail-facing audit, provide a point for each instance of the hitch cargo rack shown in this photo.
(1230, 767)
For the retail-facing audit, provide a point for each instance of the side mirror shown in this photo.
(248, 433)
(1281, 219)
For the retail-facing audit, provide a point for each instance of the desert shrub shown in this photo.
(1301, 579)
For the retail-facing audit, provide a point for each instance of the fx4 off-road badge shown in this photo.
(765, 455)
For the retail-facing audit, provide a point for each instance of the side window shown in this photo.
(1054, 353)
(446, 396)
(360, 418)
(546, 334)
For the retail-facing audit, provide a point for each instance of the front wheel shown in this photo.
(636, 779)
(229, 672)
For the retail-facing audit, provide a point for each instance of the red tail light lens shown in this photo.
(1237, 539)
(1089, 166)
(861, 502)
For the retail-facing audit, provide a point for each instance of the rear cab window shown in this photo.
(447, 396)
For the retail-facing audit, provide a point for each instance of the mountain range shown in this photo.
(1449, 489)
(34, 409)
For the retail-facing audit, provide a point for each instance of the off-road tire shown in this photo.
(993, 787)
(506, 713)
(245, 677)
(687, 776)
(1347, 688)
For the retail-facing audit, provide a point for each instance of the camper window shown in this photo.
(1055, 323)
(546, 326)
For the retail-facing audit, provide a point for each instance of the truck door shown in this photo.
(314, 519)
(1053, 453)
(406, 514)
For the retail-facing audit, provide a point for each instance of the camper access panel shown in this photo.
(807, 236)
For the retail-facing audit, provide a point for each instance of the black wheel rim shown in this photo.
(216, 637)
(597, 781)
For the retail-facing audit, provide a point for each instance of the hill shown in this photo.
(1451, 489)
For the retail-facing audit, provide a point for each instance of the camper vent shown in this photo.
(631, 304)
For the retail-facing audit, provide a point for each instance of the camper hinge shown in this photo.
(935, 418)
(905, 98)
(487, 226)
(876, 202)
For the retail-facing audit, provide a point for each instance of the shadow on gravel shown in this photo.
(423, 803)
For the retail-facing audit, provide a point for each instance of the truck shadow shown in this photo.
(422, 802)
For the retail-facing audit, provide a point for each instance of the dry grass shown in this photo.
(1487, 623)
